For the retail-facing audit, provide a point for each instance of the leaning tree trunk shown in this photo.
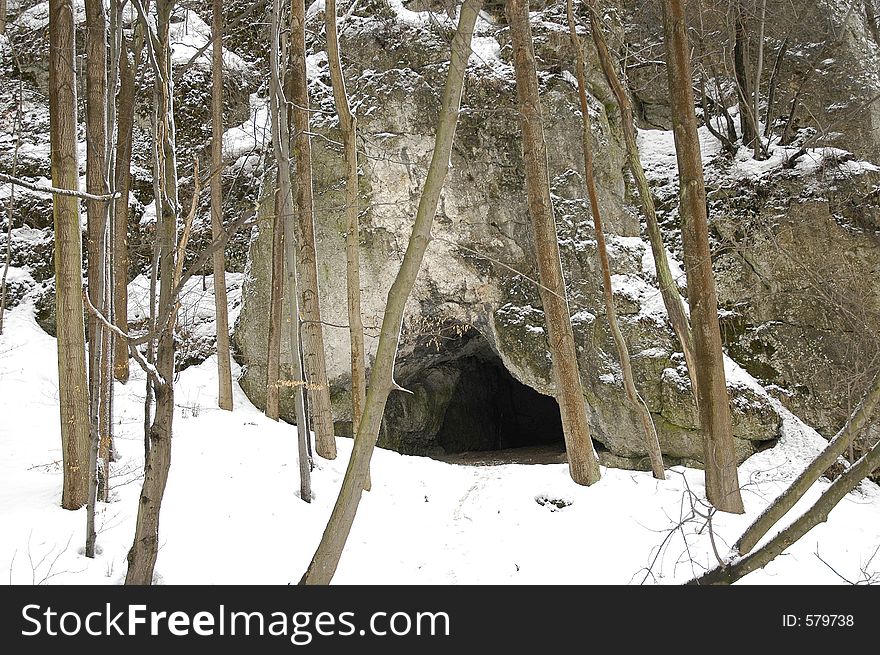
(326, 558)
(652, 445)
(145, 549)
(224, 364)
(582, 461)
(125, 129)
(795, 491)
(72, 377)
(722, 481)
(348, 127)
(733, 570)
(307, 265)
(668, 287)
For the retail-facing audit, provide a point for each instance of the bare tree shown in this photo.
(72, 378)
(583, 463)
(97, 183)
(224, 364)
(759, 70)
(796, 490)
(638, 404)
(145, 548)
(10, 203)
(743, 559)
(283, 208)
(672, 300)
(719, 459)
(348, 126)
(326, 558)
(276, 286)
(307, 264)
(742, 69)
(125, 129)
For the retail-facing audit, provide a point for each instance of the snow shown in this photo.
(252, 135)
(657, 154)
(197, 314)
(189, 35)
(231, 512)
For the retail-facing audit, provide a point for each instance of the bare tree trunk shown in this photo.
(72, 377)
(2, 16)
(741, 67)
(145, 548)
(722, 481)
(668, 287)
(326, 558)
(759, 146)
(125, 127)
(307, 265)
(284, 207)
(224, 364)
(652, 445)
(97, 183)
(348, 126)
(771, 86)
(733, 570)
(582, 461)
(273, 355)
(10, 204)
(795, 491)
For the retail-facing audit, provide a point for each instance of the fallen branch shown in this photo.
(55, 190)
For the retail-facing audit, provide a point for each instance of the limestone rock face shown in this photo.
(476, 305)
(799, 278)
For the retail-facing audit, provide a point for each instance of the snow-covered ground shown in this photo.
(232, 515)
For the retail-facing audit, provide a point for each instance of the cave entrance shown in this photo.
(489, 411)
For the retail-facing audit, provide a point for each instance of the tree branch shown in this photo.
(55, 190)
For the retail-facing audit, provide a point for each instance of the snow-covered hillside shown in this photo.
(232, 514)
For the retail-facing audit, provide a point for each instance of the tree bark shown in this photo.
(284, 207)
(348, 127)
(771, 86)
(98, 216)
(326, 558)
(652, 445)
(273, 355)
(125, 127)
(795, 491)
(224, 364)
(672, 300)
(722, 481)
(741, 68)
(759, 70)
(582, 461)
(72, 377)
(731, 571)
(307, 265)
(145, 549)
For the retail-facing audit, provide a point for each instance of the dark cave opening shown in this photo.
(490, 410)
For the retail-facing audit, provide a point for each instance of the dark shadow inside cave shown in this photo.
(491, 410)
(464, 400)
